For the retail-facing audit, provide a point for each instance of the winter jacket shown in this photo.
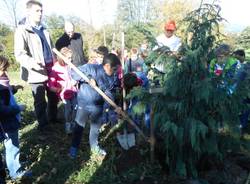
(8, 112)
(28, 50)
(86, 94)
(173, 42)
(60, 78)
(75, 44)
(227, 69)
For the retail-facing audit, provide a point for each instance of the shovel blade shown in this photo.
(126, 140)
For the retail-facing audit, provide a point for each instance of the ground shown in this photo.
(47, 156)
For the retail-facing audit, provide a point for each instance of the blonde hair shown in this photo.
(4, 63)
(66, 52)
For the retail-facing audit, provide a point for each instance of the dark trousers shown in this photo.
(2, 171)
(45, 112)
(77, 136)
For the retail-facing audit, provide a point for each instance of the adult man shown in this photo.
(33, 52)
(168, 38)
(74, 42)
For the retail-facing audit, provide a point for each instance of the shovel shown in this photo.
(126, 140)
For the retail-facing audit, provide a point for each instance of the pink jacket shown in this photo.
(60, 78)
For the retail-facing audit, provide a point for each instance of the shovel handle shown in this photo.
(98, 90)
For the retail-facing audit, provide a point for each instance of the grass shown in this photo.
(47, 156)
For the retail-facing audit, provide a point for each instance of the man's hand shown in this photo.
(37, 66)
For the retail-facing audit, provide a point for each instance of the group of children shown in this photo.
(233, 69)
(82, 103)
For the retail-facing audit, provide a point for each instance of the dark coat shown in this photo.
(75, 44)
(8, 119)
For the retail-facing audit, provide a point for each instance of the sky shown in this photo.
(237, 13)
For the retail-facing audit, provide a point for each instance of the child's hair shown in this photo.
(222, 49)
(239, 52)
(102, 50)
(130, 80)
(111, 59)
(4, 63)
(64, 51)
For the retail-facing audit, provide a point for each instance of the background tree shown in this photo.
(243, 41)
(136, 12)
(7, 43)
(10, 11)
(55, 25)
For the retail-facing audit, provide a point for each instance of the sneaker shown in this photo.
(98, 151)
(73, 152)
(68, 129)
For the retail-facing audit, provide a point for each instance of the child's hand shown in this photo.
(22, 107)
(92, 82)
(118, 110)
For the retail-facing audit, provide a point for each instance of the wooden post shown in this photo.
(152, 135)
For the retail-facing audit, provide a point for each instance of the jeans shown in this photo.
(92, 113)
(12, 152)
(69, 109)
(44, 111)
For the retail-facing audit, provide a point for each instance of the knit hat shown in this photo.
(170, 25)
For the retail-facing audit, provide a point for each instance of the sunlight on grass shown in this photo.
(88, 170)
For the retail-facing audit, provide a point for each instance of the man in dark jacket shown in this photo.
(74, 42)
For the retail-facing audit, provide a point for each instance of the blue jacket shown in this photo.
(86, 94)
(8, 113)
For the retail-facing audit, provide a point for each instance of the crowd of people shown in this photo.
(52, 80)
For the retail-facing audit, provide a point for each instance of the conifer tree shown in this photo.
(193, 106)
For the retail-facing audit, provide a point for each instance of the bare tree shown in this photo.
(9, 9)
(137, 11)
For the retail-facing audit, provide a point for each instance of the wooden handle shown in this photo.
(110, 101)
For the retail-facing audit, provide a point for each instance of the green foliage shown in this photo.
(243, 41)
(244, 38)
(7, 44)
(194, 104)
(55, 25)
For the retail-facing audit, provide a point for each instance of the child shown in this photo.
(242, 73)
(224, 64)
(132, 80)
(101, 52)
(135, 63)
(10, 122)
(90, 103)
(61, 82)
